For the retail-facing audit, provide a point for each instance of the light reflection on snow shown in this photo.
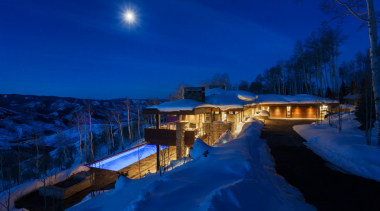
(122, 160)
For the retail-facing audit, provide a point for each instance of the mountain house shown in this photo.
(208, 114)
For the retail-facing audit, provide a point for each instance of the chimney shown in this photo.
(195, 93)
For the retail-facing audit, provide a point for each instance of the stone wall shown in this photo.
(180, 138)
(215, 130)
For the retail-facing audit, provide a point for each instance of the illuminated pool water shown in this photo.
(122, 160)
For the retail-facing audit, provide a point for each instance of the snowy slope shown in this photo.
(347, 149)
(21, 190)
(22, 116)
(236, 175)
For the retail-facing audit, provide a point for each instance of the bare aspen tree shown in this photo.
(128, 109)
(78, 123)
(106, 132)
(138, 109)
(118, 119)
(19, 164)
(178, 93)
(91, 138)
(84, 120)
(37, 155)
(366, 13)
(110, 128)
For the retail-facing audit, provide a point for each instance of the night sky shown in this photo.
(82, 48)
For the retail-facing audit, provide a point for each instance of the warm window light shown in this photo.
(224, 116)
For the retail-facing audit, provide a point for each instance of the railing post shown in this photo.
(158, 123)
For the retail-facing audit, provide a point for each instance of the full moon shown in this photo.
(129, 16)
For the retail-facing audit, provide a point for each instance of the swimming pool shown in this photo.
(124, 159)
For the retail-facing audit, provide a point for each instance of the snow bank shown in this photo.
(347, 149)
(237, 175)
(23, 189)
(262, 113)
(224, 138)
(200, 149)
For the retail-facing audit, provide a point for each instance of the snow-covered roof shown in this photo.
(178, 105)
(218, 98)
(291, 99)
(225, 100)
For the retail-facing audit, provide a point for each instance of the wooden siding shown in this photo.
(305, 112)
(277, 112)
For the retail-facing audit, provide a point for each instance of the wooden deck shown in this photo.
(104, 180)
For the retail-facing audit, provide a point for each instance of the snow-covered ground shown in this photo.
(7, 199)
(346, 149)
(238, 174)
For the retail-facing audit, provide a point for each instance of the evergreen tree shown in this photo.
(257, 85)
(244, 85)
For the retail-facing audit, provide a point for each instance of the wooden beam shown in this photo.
(158, 121)
(158, 157)
(158, 125)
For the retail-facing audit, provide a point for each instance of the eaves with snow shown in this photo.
(292, 99)
(226, 100)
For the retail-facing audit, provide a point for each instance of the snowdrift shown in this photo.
(347, 150)
(236, 175)
(200, 149)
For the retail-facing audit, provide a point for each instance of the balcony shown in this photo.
(167, 137)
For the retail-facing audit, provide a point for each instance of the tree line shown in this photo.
(97, 137)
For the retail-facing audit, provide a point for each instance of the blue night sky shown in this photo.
(82, 48)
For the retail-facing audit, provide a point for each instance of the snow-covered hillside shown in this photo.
(236, 175)
(39, 134)
(22, 116)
